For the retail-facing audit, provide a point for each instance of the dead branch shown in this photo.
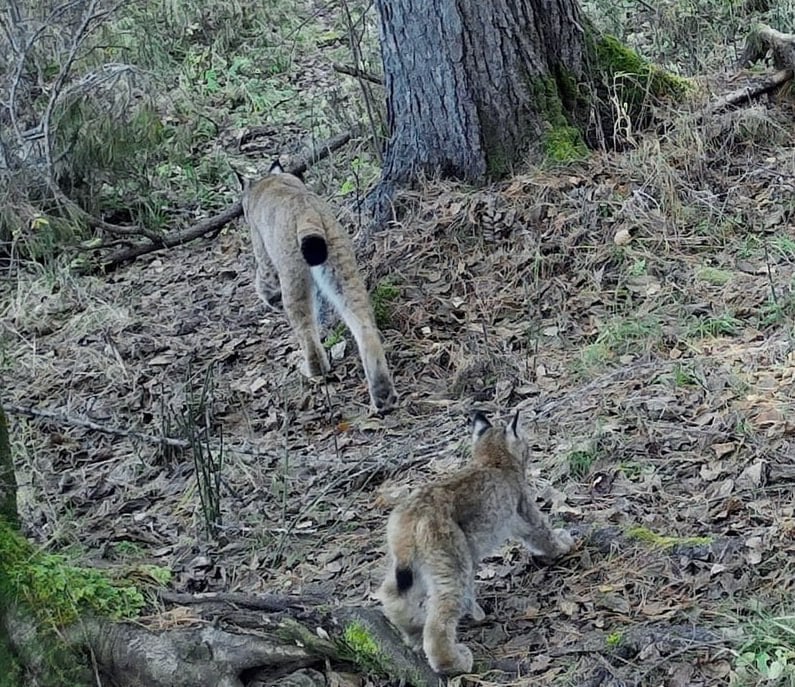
(72, 421)
(177, 238)
(253, 132)
(763, 39)
(215, 224)
(260, 602)
(741, 95)
(350, 70)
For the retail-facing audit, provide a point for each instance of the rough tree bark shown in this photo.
(8, 483)
(468, 83)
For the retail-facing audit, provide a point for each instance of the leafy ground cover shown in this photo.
(639, 308)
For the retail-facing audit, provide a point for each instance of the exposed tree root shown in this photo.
(219, 637)
(762, 40)
(213, 639)
(751, 91)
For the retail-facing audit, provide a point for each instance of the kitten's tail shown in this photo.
(404, 578)
(403, 551)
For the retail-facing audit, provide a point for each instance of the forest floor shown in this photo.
(655, 379)
(637, 307)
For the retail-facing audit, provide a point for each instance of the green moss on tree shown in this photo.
(552, 98)
(51, 593)
(564, 143)
(8, 483)
(636, 78)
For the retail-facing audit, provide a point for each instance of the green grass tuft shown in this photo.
(647, 536)
(382, 298)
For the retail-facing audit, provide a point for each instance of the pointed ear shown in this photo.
(480, 424)
(276, 167)
(513, 427)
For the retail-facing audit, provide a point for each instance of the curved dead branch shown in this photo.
(213, 225)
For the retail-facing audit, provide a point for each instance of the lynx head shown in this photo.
(498, 446)
(276, 168)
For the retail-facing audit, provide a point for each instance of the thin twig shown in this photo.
(350, 70)
(72, 421)
(62, 419)
(367, 94)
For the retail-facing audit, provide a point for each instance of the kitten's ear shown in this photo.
(513, 427)
(480, 423)
(276, 167)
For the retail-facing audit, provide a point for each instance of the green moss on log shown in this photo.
(636, 78)
(56, 591)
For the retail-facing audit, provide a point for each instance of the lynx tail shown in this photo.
(314, 248)
(404, 578)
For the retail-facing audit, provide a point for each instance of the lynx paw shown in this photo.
(476, 612)
(461, 661)
(564, 542)
(382, 394)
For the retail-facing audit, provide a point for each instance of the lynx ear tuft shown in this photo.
(276, 167)
(514, 424)
(480, 423)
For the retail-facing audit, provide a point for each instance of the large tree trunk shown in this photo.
(472, 86)
(8, 483)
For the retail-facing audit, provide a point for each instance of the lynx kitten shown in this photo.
(301, 249)
(438, 536)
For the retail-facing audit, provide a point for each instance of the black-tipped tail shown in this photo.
(314, 249)
(404, 578)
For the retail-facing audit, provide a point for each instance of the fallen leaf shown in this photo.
(754, 546)
(613, 602)
(753, 476)
(568, 608)
(622, 237)
(723, 448)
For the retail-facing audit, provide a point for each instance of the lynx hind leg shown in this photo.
(451, 595)
(439, 641)
(473, 608)
(352, 302)
(299, 305)
(535, 531)
(266, 284)
(405, 611)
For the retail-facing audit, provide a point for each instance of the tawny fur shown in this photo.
(300, 248)
(442, 531)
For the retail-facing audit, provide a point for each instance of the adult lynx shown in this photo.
(298, 241)
(439, 534)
